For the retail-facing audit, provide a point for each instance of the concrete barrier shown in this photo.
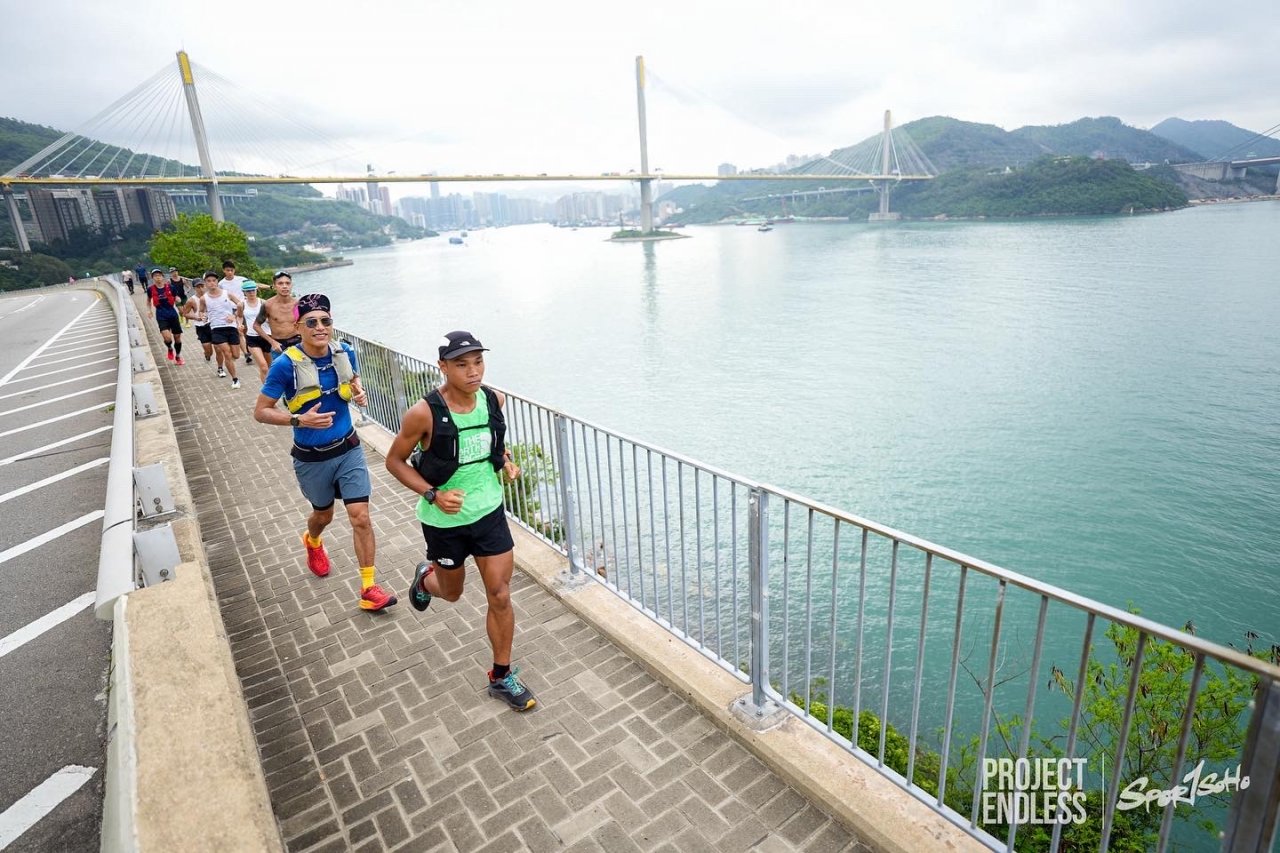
(881, 814)
(183, 771)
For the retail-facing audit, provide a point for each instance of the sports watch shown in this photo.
(430, 495)
(294, 421)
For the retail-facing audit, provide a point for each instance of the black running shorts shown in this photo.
(169, 323)
(227, 335)
(257, 342)
(488, 536)
(204, 334)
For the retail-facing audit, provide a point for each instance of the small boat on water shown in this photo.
(457, 241)
(765, 227)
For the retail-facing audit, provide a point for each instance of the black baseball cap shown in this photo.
(282, 274)
(454, 344)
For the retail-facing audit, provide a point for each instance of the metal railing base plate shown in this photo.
(758, 718)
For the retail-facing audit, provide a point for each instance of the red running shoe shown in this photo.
(178, 361)
(317, 559)
(375, 598)
(169, 355)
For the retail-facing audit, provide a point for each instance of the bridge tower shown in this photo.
(202, 140)
(646, 191)
(882, 187)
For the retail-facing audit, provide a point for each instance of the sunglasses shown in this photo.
(313, 322)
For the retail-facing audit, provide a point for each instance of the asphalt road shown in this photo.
(57, 386)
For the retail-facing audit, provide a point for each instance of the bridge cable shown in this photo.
(1266, 134)
(147, 113)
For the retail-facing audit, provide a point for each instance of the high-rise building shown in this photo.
(152, 207)
(726, 169)
(59, 212)
(355, 194)
(113, 209)
(384, 199)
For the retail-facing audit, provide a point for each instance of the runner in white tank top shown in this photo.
(193, 310)
(220, 308)
(255, 346)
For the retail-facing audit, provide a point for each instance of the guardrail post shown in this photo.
(757, 710)
(568, 500)
(1255, 811)
(398, 391)
(758, 577)
(144, 400)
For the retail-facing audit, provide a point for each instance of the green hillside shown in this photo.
(1213, 139)
(1106, 137)
(1059, 186)
(291, 214)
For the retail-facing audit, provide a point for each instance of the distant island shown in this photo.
(1088, 167)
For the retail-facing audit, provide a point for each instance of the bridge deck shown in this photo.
(375, 731)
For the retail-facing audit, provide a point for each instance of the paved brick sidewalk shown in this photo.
(375, 730)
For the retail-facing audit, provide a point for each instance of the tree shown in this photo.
(195, 243)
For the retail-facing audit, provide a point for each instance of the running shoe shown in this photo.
(248, 359)
(317, 559)
(235, 383)
(221, 373)
(178, 361)
(169, 355)
(511, 689)
(375, 598)
(418, 595)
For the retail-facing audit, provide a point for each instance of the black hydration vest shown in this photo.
(438, 462)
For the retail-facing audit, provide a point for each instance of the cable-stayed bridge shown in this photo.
(164, 119)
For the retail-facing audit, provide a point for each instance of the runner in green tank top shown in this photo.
(458, 430)
(477, 481)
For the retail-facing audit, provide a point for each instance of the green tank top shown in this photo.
(479, 480)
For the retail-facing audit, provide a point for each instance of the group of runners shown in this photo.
(450, 450)
(230, 319)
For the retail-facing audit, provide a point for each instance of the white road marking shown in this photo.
(55, 384)
(76, 346)
(14, 311)
(62, 370)
(82, 334)
(42, 799)
(109, 348)
(76, 413)
(36, 354)
(30, 631)
(27, 454)
(56, 533)
(44, 403)
(17, 493)
(38, 300)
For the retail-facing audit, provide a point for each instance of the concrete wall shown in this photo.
(183, 771)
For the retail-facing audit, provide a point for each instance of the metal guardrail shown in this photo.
(131, 556)
(115, 557)
(707, 554)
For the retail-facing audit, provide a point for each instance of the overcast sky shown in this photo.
(509, 87)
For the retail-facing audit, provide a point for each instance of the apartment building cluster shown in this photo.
(56, 213)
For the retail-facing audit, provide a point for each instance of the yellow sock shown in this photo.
(314, 543)
(366, 577)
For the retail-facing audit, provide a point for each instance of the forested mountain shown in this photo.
(1105, 137)
(280, 212)
(1213, 139)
